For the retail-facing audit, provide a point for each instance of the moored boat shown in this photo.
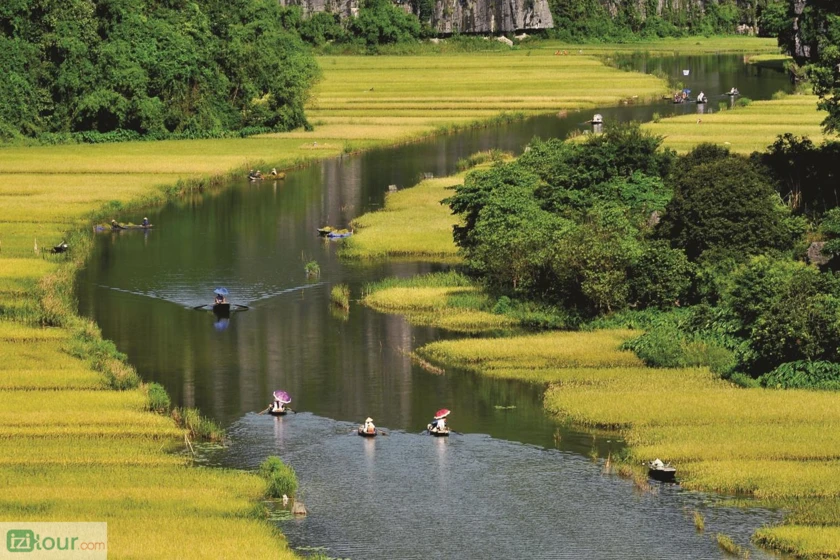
(339, 235)
(120, 227)
(663, 472)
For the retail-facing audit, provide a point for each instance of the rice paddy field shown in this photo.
(74, 448)
(421, 94)
(422, 223)
(744, 129)
(447, 300)
(777, 446)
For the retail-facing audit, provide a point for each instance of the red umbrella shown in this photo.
(442, 413)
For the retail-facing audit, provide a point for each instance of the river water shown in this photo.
(512, 482)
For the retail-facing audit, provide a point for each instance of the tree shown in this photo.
(380, 23)
(812, 37)
(807, 175)
(724, 203)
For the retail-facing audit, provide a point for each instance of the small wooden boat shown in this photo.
(663, 472)
(339, 234)
(119, 227)
(221, 308)
(437, 433)
(324, 230)
(275, 412)
(361, 431)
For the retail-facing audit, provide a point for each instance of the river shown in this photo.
(512, 482)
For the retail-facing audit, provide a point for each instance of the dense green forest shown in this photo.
(153, 67)
(706, 250)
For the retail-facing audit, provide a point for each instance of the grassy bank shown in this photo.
(446, 300)
(744, 129)
(412, 224)
(778, 446)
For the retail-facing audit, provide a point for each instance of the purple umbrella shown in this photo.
(282, 396)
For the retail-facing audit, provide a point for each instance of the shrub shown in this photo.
(661, 277)
(803, 375)
(659, 347)
(280, 478)
(197, 426)
(340, 295)
(312, 269)
(158, 398)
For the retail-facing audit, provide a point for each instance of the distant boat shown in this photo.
(339, 234)
(663, 472)
(119, 227)
(598, 119)
(439, 433)
(361, 431)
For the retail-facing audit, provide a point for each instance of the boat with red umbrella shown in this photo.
(438, 427)
(278, 407)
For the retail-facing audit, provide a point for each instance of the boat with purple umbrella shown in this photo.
(278, 407)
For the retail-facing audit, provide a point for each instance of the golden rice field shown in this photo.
(418, 94)
(76, 450)
(777, 446)
(672, 45)
(453, 308)
(412, 224)
(744, 129)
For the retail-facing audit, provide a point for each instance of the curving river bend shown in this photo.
(513, 484)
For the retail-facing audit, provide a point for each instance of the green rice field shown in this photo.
(423, 223)
(744, 129)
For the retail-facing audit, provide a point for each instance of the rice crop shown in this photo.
(744, 129)
(413, 224)
(447, 300)
(74, 450)
(670, 45)
(777, 446)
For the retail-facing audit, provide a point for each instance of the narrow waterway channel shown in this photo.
(512, 483)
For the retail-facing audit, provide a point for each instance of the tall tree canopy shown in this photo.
(149, 66)
(812, 36)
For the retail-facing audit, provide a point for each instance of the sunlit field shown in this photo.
(412, 224)
(744, 129)
(74, 448)
(421, 93)
(777, 446)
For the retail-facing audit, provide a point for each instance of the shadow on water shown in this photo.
(515, 482)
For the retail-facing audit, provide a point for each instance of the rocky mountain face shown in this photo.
(456, 16)
(504, 16)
